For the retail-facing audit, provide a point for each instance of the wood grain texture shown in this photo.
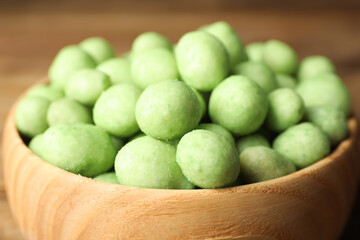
(52, 204)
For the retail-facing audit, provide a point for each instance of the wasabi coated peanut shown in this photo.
(202, 102)
(252, 140)
(118, 143)
(285, 81)
(153, 65)
(149, 163)
(260, 163)
(207, 159)
(85, 86)
(326, 89)
(329, 119)
(78, 148)
(302, 144)
(109, 177)
(202, 60)
(118, 69)
(115, 110)
(314, 66)
(138, 135)
(255, 51)
(258, 72)
(69, 60)
(286, 108)
(46, 91)
(98, 48)
(280, 57)
(30, 116)
(167, 110)
(233, 44)
(239, 105)
(215, 128)
(35, 144)
(149, 40)
(67, 111)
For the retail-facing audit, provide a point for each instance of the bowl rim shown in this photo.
(344, 146)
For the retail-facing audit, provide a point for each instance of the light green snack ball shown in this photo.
(280, 57)
(150, 40)
(30, 116)
(202, 60)
(215, 128)
(109, 177)
(260, 163)
(86, 86)
(98, 48)
(46, 91)
(285, 81)
(207, 159)
(202, 102)
(118, 143)
(78, 148)
(302, 144)
(255, 51)
(258, 72)
(149, 163)
(138, 135)
(329, 119)
(35, 144)
(69, 60)
(229, 38)
(252, 140)
(167, 110)
(314, 66)
(239, 105)
(67, 111)
(115, 110)
(286, 108)
(118, 69)
(326, 89)
(153, 65)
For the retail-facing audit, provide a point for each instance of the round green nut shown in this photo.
(258, 72)
(286, 108)
(67, 111)
(109, 177)
(255, 51)
(239, 105)
(69, 60)
(326, 89)
(280, 57)
(285, 81)
(78, 148)
(252, 140)
(30, 116)
(153, 65)
(149, 163)
(167, 110)
(149, 40)
(138, 135)
(202, 102)
(314, 66)
(118, 69)
(86, 86)
(46, 91)
(260, 163)
(114, 111)
(35, 144)
(302, 144)
(207, 159)
(233, 44)
(98, 48)
(329, 119)
(118, 143)
(202, 60)
(215, 128)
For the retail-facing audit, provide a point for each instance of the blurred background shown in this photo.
(32, 32)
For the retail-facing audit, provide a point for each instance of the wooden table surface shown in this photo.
(31, 35)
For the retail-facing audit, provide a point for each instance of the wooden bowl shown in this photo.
(50, 203)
